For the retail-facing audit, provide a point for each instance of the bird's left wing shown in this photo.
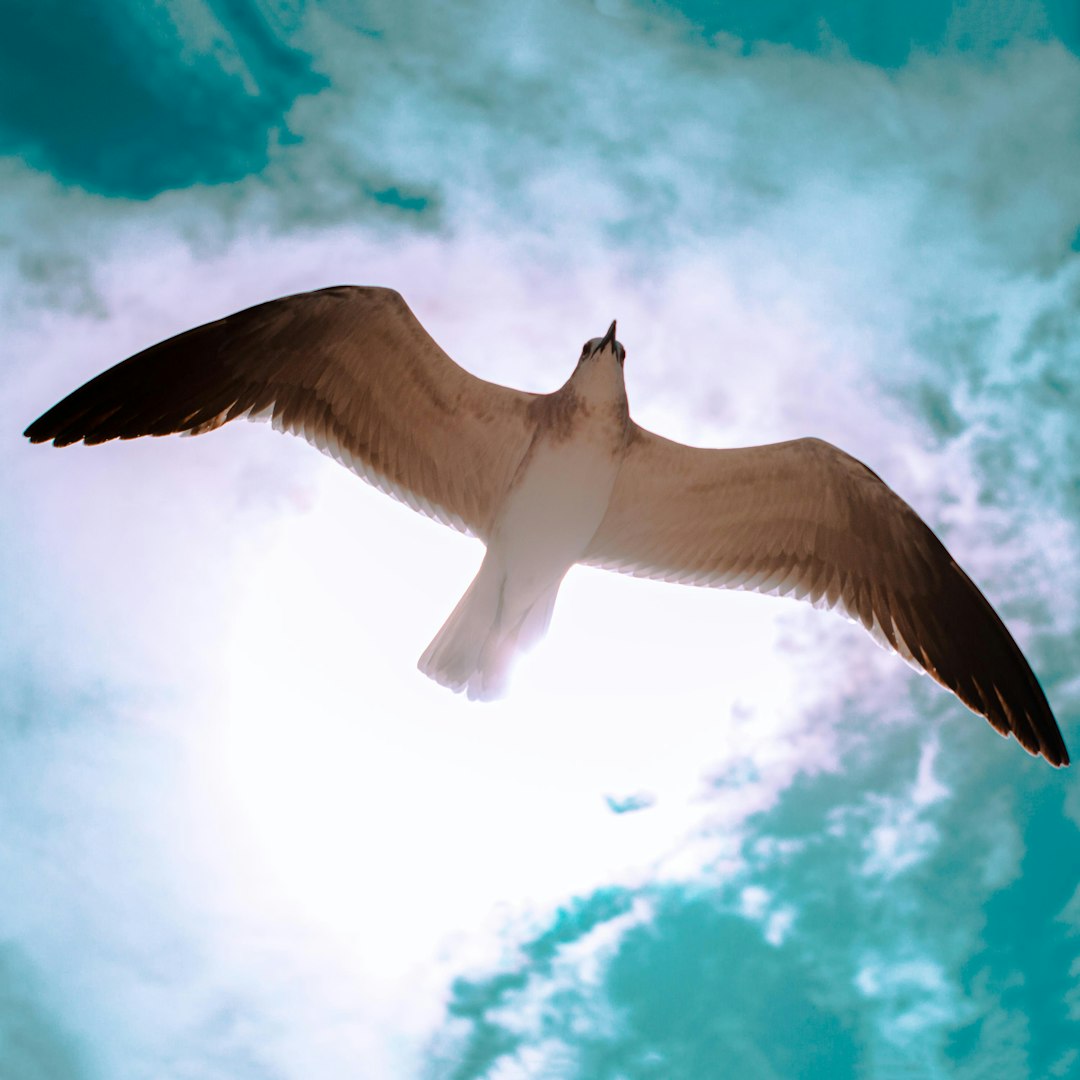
(804, 519)
(348, 368)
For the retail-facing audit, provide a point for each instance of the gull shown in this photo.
(550, 480)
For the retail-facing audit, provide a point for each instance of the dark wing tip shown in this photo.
(933, 613)
(1059, 760)
(193, 382)
(967, 648)
(48, 428)
(176, 385)
(37, 432)
(1036, 731)
(53, 426)
(1051, 743)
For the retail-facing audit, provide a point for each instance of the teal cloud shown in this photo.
(1028, 978)
(882, 34)
(34, 1045)
(629, 804)
(964, 951)
(885, 34)
(129, 100)
(700, 994)
(1064, 19)
(476, 1004)
(412, 201)
(937, 203)
(915, 915)
(696, 993)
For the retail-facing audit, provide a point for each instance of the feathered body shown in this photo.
(555, 502)
(547, 480)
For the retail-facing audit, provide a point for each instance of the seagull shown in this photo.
(550, 480)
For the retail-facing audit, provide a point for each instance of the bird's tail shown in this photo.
(477, 644)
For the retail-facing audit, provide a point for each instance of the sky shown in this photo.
(707, 834)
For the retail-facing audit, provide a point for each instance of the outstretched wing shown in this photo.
(351, 370)
(804, 519)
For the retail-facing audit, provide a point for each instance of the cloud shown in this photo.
(130, 101)
(921, 968)
(629, 804)
(685, 989)
(33, 1044)
(242, 813)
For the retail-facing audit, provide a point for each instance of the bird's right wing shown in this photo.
(806, 520)
(351, 370)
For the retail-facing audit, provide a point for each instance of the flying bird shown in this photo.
(550, 480)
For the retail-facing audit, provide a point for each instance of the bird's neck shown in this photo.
(598, 382)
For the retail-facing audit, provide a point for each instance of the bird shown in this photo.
(547, 481)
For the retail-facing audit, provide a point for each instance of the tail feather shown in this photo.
(476, 646)
(454, 653)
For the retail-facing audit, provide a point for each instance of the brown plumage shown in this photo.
(354, 372)
(806, 520)
(348, 368)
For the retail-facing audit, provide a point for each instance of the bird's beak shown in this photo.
(608, 338)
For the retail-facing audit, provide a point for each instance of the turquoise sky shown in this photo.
(707, 835)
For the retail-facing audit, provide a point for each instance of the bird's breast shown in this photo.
(560, 492)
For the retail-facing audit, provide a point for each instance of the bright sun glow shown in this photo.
(343, 758)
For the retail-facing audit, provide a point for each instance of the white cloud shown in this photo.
(782, 240)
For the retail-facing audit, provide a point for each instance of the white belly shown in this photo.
(553, 509)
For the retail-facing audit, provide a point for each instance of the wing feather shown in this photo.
(351, 370)
(803, 518)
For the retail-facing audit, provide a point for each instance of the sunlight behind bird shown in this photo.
(338, 758)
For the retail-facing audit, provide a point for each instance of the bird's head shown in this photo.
(598, 347)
